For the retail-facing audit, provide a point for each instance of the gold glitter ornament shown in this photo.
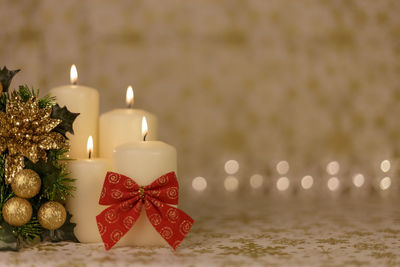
(26, 131)
(26, 184)
(52, 215)
(17, 211)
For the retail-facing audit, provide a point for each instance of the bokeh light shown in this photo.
(231, 183)
(333, 183)
(333, 168)
(282, 184)
(385, 183)
(231, 166)
(199, 183)
(385, 165)
(282, 167)
(256, 181)
(358, 180)
(307, 182)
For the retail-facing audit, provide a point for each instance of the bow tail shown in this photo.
(171, 223)
(114, 222)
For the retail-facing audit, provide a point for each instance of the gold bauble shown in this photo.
(17, 211)
(52, 215)
(26, 184)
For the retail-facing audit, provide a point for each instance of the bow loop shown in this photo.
(117, 188)
(127, 198)
(165, 189)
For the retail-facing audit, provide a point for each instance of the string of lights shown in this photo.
(331, 178)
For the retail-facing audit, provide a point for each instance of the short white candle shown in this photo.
(144, 162)
(83, 100)
(84, 205)
(121, 126)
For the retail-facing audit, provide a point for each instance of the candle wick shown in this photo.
(130, 105)
(90, 154)
(75, 82)
(144, 137)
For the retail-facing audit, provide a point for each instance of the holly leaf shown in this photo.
(6, 76)
(8, 241)
(64, 233)
(67, 118)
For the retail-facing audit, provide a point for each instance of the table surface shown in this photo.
(253, 232)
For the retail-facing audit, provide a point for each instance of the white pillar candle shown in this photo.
(144, 162)
(84, 205)
(83, 100)
(121, 126)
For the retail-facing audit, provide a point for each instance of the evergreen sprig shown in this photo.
(27, 93)
(30, 230)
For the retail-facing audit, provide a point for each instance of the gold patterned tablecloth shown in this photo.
(254, 232)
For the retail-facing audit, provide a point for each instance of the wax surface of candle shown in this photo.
(83, 100)
(144, 162)
(84, 205)
(121, 126)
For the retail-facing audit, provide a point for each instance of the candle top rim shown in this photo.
(129, 111)
(144, 145)
(72, 87)
(86, 160)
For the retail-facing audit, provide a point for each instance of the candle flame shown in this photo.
(145, 130)
(73, 75)
(90, 146)
(130, 99)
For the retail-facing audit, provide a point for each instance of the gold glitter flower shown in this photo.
(26, 131)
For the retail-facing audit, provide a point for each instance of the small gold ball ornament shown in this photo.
(26, 184)
(52, 215)
(17, 211)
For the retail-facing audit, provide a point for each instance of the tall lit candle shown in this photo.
(121, 126)
(84, 205)
(83, 100)
(144, 161)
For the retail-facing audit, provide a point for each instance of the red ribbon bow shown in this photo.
(127, 199)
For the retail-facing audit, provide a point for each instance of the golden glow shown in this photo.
(282, 184)
(145, 130)
(333, 167)
(256, 181)
(73, 75)
(307, 182)
(385, 183)
(385, 165)
(231, 183)
(333, 183)
(231, 166)
(130, 97)
(282, 167)
(89, 147)
(358, 180)
(199, 183)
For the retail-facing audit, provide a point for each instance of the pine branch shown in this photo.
(30, 230)
(26, 93)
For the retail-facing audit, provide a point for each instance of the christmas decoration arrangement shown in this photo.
(34, 181)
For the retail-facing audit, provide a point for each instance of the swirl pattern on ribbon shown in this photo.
(125, 197)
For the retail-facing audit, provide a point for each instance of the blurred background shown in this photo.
(306, 83)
